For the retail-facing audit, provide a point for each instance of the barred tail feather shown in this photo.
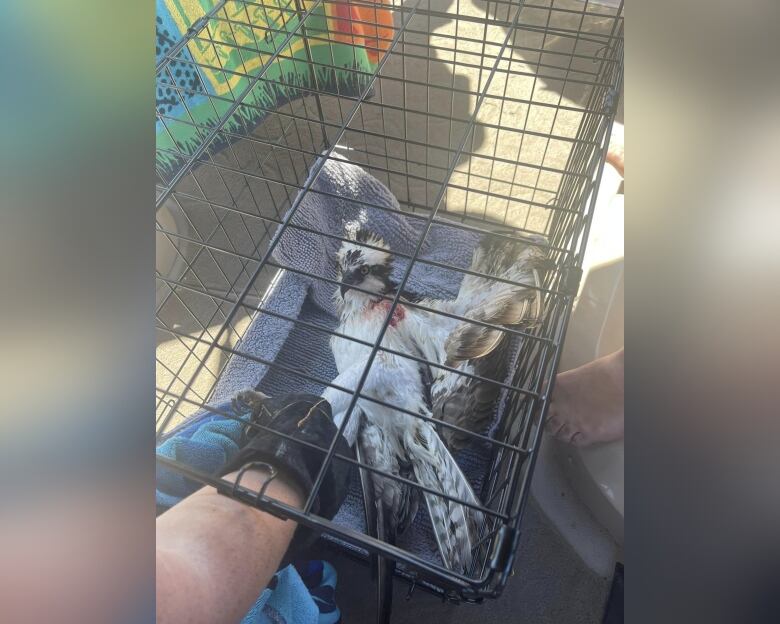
(454, 525)
(376, 526)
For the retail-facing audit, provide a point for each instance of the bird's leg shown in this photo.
(339, 399)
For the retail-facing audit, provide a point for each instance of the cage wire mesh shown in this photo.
(489, 116)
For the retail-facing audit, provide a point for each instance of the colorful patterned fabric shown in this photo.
(218, 65)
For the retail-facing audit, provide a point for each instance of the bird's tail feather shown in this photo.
(376, 526)
(385, 570)
(454, 525)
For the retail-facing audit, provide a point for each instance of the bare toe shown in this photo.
(580, 439)
(566, 433)
(587, 403)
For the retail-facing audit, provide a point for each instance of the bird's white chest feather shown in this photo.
(392, 378)
(363, 322)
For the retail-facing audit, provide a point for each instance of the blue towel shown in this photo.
(302, 593)
(208, 446)
(308, 299)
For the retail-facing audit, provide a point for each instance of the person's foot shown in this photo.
(587, 402)
(616, 150)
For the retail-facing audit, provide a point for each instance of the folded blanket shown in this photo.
(305, 298)
(193, 92)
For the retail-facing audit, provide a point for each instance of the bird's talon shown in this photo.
(246, 401)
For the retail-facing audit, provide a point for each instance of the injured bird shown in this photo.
(386, 432)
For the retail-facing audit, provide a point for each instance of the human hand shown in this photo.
(307, 421)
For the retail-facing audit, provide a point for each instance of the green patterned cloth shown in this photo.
(198, 86)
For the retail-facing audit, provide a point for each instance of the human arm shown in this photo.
(215, 555)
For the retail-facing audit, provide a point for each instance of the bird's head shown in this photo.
(364, 266)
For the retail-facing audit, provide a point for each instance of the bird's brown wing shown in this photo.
(469, 402)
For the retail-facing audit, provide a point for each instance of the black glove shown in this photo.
(305, 418)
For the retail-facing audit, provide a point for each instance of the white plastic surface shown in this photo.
(581, 491)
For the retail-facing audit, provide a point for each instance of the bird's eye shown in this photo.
(364, 270)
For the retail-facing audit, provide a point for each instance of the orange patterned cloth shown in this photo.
(358, 24)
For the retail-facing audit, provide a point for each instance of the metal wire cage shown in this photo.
(492, 116)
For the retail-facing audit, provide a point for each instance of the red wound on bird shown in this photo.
(399, 314)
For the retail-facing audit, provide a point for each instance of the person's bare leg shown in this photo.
(616, 151)
(615, 157)
(587, 402)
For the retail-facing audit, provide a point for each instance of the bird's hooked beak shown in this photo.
(348, 280)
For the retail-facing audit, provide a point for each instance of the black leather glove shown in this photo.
(305, 418)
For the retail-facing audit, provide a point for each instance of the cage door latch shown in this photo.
(503, 548)
(610, 99)
(570, 280)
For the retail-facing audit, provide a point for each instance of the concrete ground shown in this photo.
(550, 584)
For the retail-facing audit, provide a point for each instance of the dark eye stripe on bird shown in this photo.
(353, 255)
(363, 236)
